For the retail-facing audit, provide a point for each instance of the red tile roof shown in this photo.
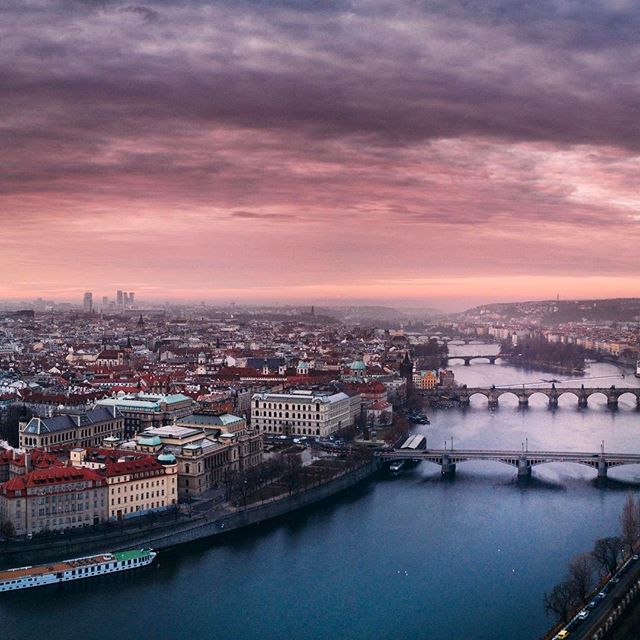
(51, 476)
(139, 465)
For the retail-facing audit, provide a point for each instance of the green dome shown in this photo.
(358, 365)
(166, 458)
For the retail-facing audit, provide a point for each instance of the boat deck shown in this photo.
(55, 567)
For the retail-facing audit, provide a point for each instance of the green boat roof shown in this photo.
(122, 556)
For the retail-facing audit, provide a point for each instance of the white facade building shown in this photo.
(301, 413)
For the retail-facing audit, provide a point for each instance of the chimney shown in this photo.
(27, 462)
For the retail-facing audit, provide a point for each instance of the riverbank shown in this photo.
(165, 533)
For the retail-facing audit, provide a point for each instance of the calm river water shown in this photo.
(405, 558)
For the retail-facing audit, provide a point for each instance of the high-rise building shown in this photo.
(105, 302)
(132, 297)
(119, 298)
(87, 302)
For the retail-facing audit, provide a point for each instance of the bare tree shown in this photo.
(606, 553)
(580, 576)
(228, 482)
(560, 601)
(630, 523)
(7, 529)
(292, 470)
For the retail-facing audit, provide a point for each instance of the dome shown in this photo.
(166, 458)
(358, 365)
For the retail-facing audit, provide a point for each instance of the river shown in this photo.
(410, 557)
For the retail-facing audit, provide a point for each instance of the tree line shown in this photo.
(539, 351)
(285, 468)
(586, 568)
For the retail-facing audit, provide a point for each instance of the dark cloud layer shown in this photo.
(518, 71)
(449, 115)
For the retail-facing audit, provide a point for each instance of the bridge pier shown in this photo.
(447, 468)
(553, 402)
(524, 468)
(523, 401)
(467, 362)
(602, 468)
(492, 359)
(612, 403)
(583, 402)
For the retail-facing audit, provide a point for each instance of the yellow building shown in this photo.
(424, 380)
(137, 484)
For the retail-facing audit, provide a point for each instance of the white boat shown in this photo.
(77, 569)
(396, 467)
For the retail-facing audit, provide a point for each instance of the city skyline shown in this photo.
(434, 155)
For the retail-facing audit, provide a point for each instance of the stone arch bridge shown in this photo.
(467, 359)
(553, 393)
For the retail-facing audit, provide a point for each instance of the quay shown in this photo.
(205, 524)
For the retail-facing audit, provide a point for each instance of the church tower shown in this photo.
(406, 371)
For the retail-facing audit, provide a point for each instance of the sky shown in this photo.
(433, 153)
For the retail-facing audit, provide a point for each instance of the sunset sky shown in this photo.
(438, 153)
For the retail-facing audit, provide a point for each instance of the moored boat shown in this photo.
(396, 467)
(76, 569)
(638, 369)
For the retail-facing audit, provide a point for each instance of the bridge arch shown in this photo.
(503, 394)
(484, 394)
(508, 462)
(601, 394)
(591, 464)
(538, 392)
(629, 398)
(563, 392)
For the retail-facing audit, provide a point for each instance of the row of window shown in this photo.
(141, 485)
(285, 406)
(141, 496)
(294, 416)
(302, 431)
(53, 510)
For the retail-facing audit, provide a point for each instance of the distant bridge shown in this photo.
(461, 341)
(467, 359)
(523, 460)
(553, 393)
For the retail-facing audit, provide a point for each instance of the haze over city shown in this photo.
(426, 153)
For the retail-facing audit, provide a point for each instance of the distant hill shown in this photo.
(559, 311)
